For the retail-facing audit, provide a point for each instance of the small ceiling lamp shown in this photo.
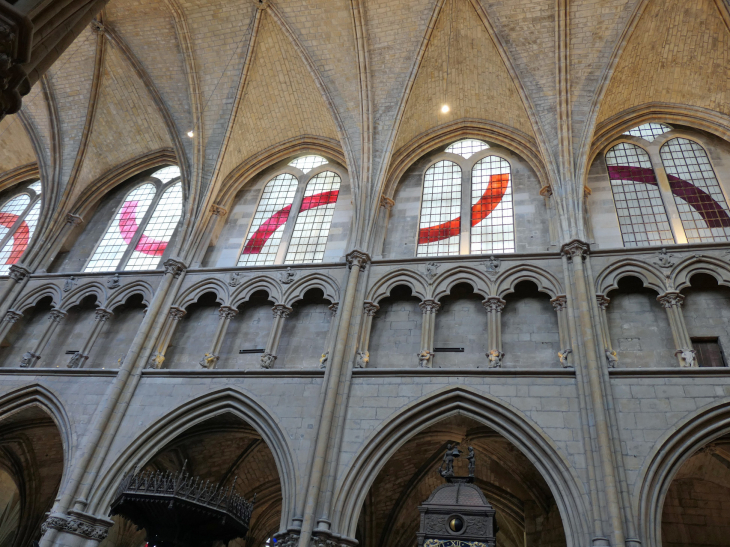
(191, 134)
(445, 109)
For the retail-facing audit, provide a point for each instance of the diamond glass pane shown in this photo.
(309, 239)
(641, 213)
(700, 201)
(18, 243)
(467, 147)
(440, 222)
(307, 163)
(120, 233)
(166, 174)
(36, 187)
(267, 227)
(156, 235)
(492, 210)
(649, 131)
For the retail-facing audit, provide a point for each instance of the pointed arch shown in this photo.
(199, 288)
(608, 278)
(509, 422)
(323, 282)
(445, 281)
(546, 282)
(383, 286)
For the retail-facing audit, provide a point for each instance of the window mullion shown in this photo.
(296, 204)
(138, 234)
(465, 228)
(670, 205)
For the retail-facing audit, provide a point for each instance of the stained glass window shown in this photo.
(269, 221)
(156, 235)
(136, 239)
(492, 211)
(467, 147)
(18, 221)
(307, 163)
(312, 227)
(649, 131)
(440, 222)
(697, 194)
(641, 213)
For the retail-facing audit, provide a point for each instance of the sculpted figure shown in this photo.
(471, 458)
(563, 355)
(446, 469)
(323, 360)
(612, 358)
(208, 361)
(424, 359)
(267, 360)
(688, 356)
(495, 358)
(363, 358)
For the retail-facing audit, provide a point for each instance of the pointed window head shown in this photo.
(36, 187)
(166, 174)
(467, 147)
(307, 163)
(648, 131)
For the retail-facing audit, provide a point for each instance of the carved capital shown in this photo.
(77, 360)
(546, 191)
(176, 313)
(603, 301)
(334, 307)
(268, 360)
(281, 310)
(218, 211)
(493, 304)
(670, 299)
(102, 315)
(227, 312)
(386, 203)
(12, 316)
(73, 220)
(429, 306)
(29, 359)
(362, 358)
(494, 358)
(689, 357)
(18, 273)
(370, 308)
(575, 249)
(208, 361)
(358, 258)
(86, 526)
(424, 359)
(560, 302)
(174, 267)
(56, 315)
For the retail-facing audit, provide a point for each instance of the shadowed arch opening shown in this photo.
(396, 330)
(461, 324)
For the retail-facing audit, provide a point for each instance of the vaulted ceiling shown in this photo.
(253, 77)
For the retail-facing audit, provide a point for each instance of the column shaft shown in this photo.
(81, 356)
(494, 306)
(280, 312)
(30, 358)
(225, 314)
(428, 327)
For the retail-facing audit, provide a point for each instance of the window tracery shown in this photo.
(277, 236)
(139, 233)
(18, 221)
(648, 131)
(490, 208)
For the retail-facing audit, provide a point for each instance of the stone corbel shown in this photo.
(18, 273)
(494, 306)
(80, 524)
(357, 258)
(174, 267)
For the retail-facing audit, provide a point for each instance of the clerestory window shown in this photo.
(483, 198)
(308, 186)
(682, 203)
(18, 221)
(144, 224)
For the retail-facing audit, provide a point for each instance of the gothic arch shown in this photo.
(258, 283)
(444, 282)
(31, 298)
(192, 293)
(671, 451)
(545, 281)
(684, 270)
(381, 289)
(313, 281)
(77, 294)
(137, 287)
(507, 421)
(175, 423)
(607, 280)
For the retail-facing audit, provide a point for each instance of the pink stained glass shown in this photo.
(440, 223)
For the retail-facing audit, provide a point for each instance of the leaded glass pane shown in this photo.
(307, 163)
(649, 131)
(120, 233)
(309, 238)
(700, 201)
(267, 227)
(156, 235)
(467, 147)
(492, 211)
(440, 222)
(166, 174)
(18, 243)
(641, 213)
(36, 187)
(11, 212)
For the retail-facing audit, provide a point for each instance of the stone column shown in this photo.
(565, 354)
(80, 357)
(281, 312)
(330, 334)
(10, 290)
(362, 358)
(225, 314)
(11, 317)
(30, 358)
(386, 205)
(494, 306)
(428, 328)
(611, 356)
(168, 330)
(575, 253)
(672, 302)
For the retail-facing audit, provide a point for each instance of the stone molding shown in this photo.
(494, 304)
(575, 249)
(55, 316)
(78, 524)
(670, 299)
(370, 308)
(102, 314)
(176, 313)
(560, 302)
(226, 312)
(386, 202)
(18, 273)
(429, 306)
(281, 310)
(174, 267)
(218, 211)
(12, 316)
(603, 301)
(74, 220)
(361, 258)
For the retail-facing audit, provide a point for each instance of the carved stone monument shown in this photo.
(457, 514)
